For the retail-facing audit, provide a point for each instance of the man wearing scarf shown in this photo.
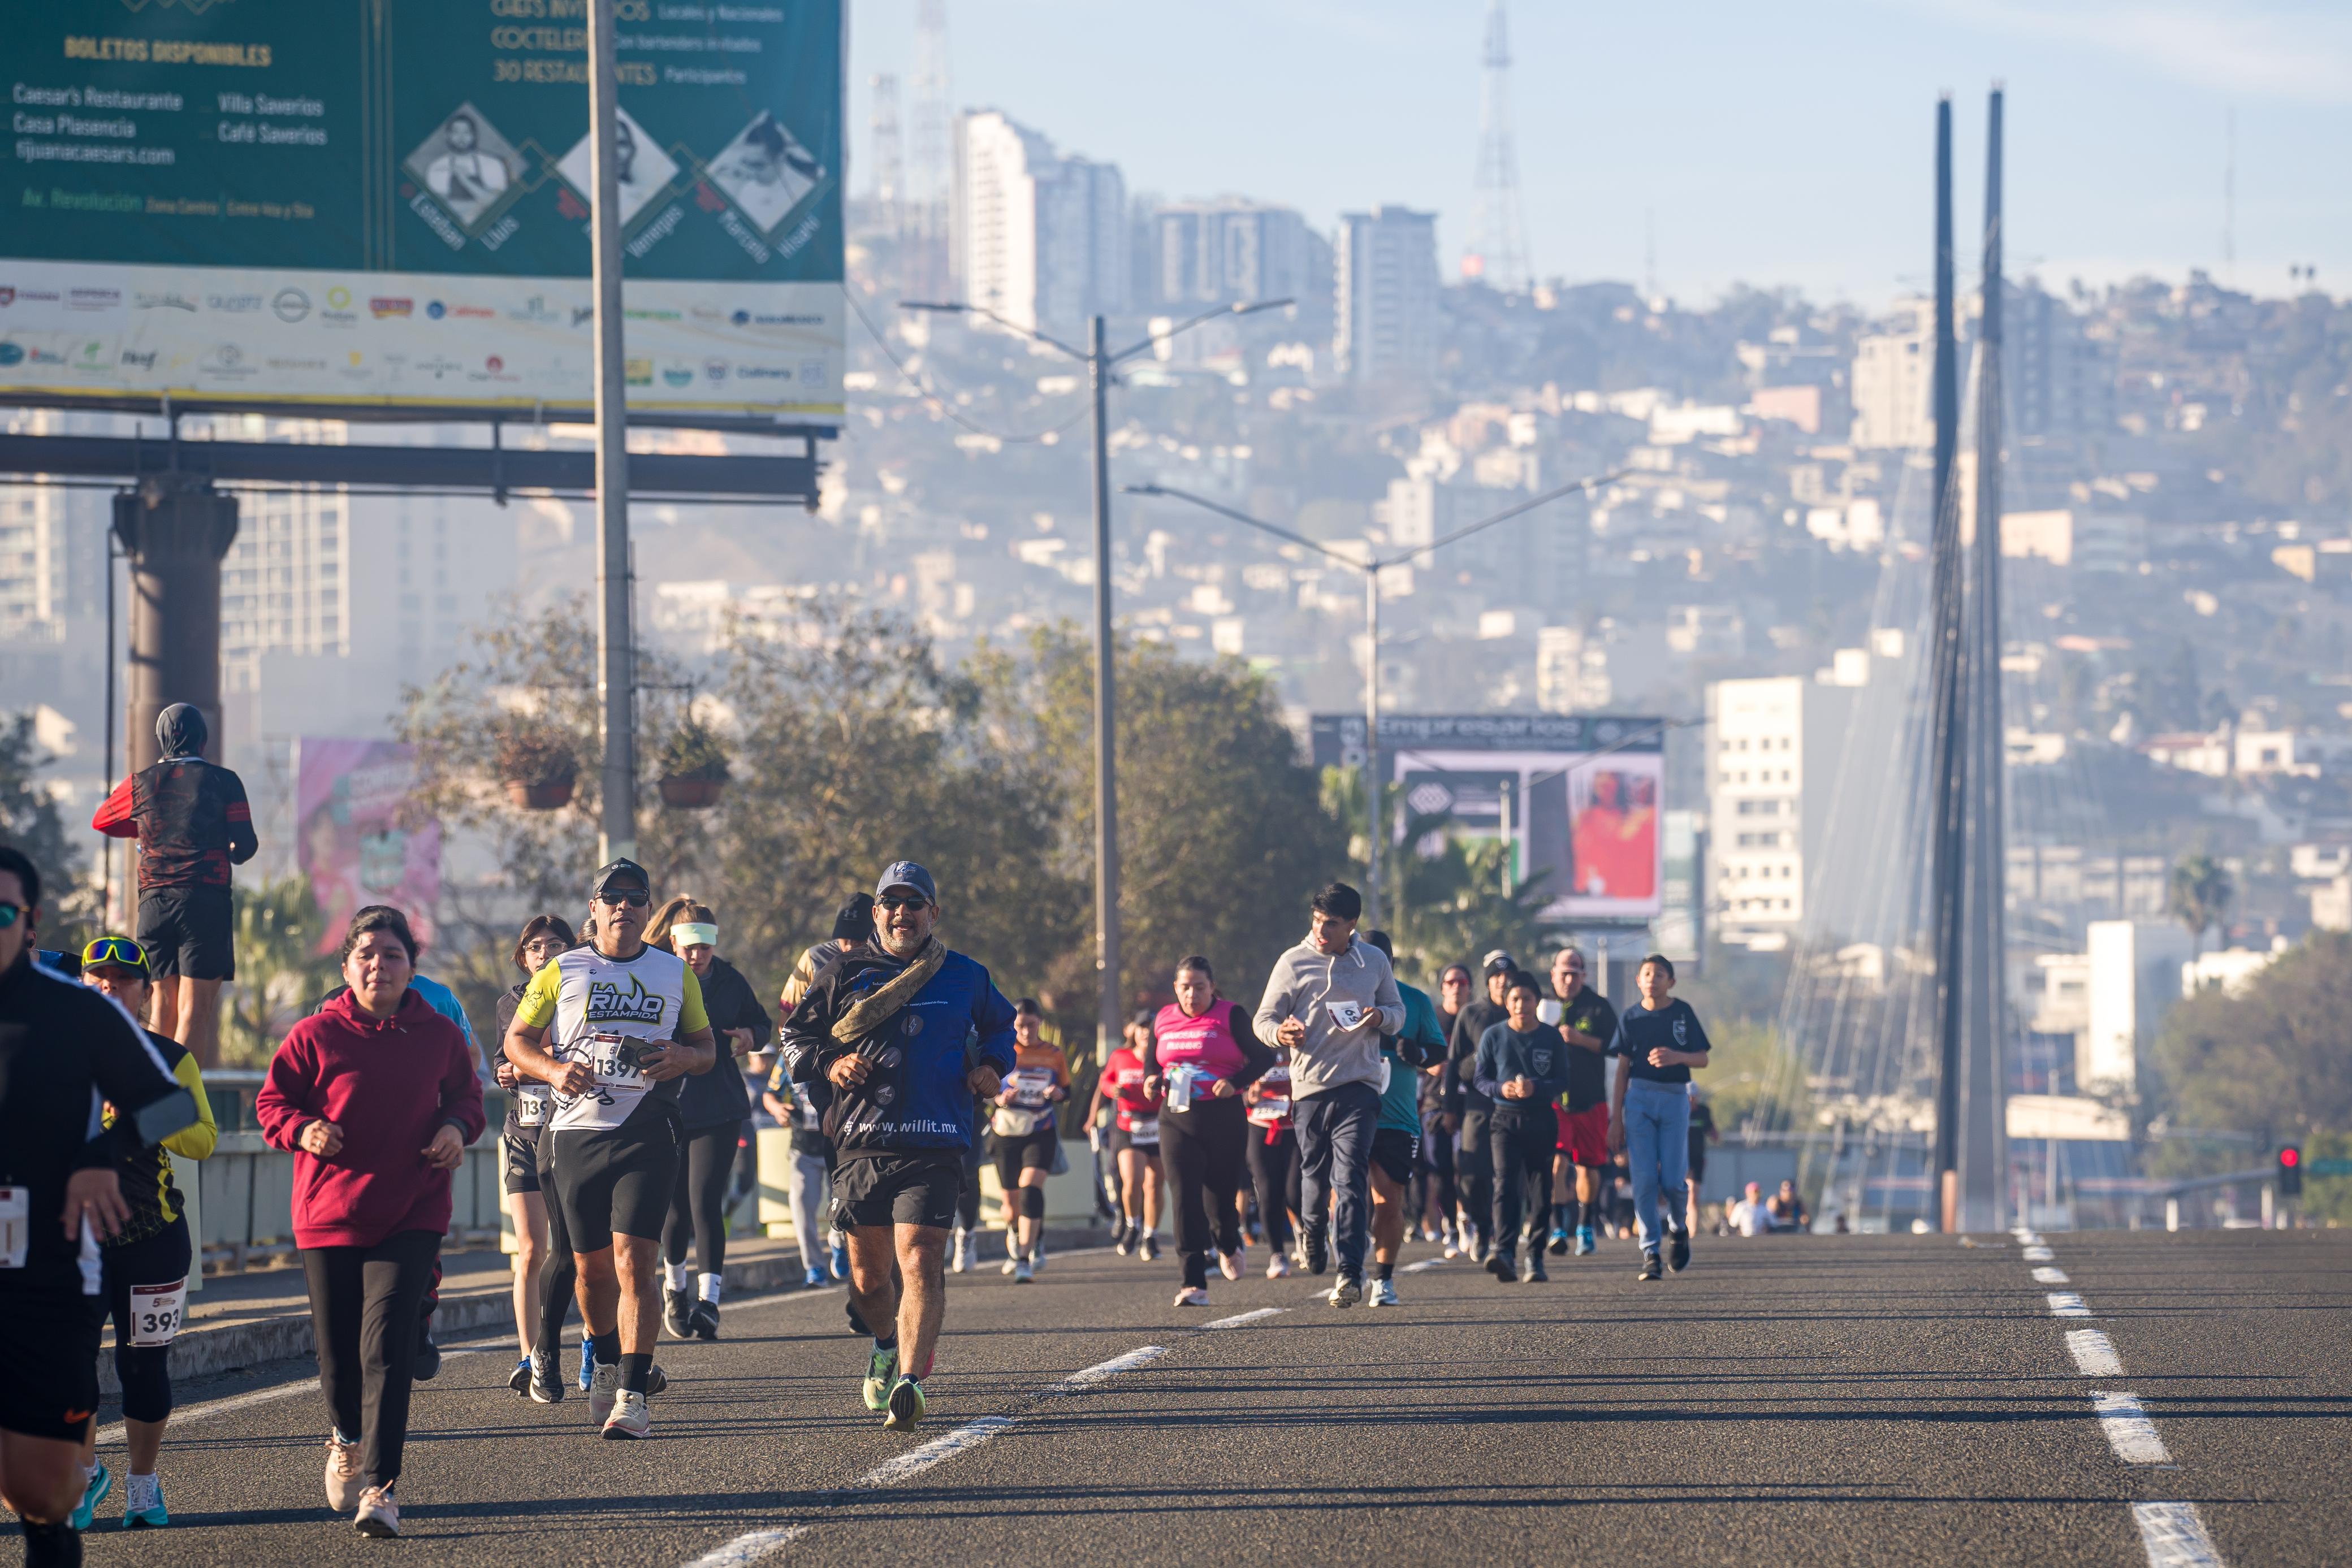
(906, 1034)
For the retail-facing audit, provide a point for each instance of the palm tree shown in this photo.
(2198, 895)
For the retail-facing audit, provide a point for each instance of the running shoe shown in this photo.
(1277, 1267)
(1534, 1274)
(1125, 1242)
(968, 1258)
(1011, 1259)
(816, 1279)
(1450, 1248)
(426, 1367)
(1319, 1249)
(378, 1514)
(1428, 1231)
(519, 1379)
(674, 1309)
(546, 1380)
(1023, 1273)
(1229, 1264)
(1677, 1251)
(906, 1405)
(958, 1263)
(656, 1381)
(1482, 1248)
(1380, 1293)
(630, 1419)
(587, 1379)
(1347, 1292)
(344, 1483)
(1500, 1265)
(704, 1321)
(1193, 1296)
(1037, 1255)
(1584, 1241)
(1650, 1269)
(143, 1506)
(1559, 1243)
(1151, 1245)
(840, 1259)
(93, 1492)
(880, 1368)
(603, 1392)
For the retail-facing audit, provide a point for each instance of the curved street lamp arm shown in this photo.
(1237, 308)
(1010, 326)
(1259, 523)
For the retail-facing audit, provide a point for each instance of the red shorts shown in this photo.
(1584, 1135)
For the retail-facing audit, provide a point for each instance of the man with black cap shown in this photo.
(192, 823)
(627, 1023)
(906, 1034)
(1473, 1165)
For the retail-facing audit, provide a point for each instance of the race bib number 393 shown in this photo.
(16, 1225)
(156, 1311)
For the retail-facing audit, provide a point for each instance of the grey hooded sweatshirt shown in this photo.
(1304, 985)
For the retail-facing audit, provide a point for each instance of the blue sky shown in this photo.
(1769, 144)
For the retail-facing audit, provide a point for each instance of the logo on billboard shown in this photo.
(640, 373)
(10, 354)
(164, 301)
(436, 310)
(139, 359)
(582, 314)
(8, 297)
(472, 170)
(93, 298)
(767, 172)
(677, 378)
(91, 356)
(494, 364)
(381, 306)
(233, 304)
(290, 304)
(338, 298)
(644, 170)
(534, 309)
(714, 369)
(11, 296)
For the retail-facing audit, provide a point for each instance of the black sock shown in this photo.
(636, 1371)
(55, 1544)
(1384, 1271)
(608, 1347)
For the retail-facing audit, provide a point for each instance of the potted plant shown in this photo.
(694, 764)
(536, 764)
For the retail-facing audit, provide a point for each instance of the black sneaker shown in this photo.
(657, 1380)
(518, 1380)
(1649, 1269)
(1319, 1249)
(704, 1321)
(1499, 1264)
(1559, 1243)
(427, 1364)
(675, 1307)
(1535, 1274)
(546, 1380)
(1678, 1251)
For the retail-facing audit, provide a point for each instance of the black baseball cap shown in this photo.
(1499, 962)
(907, 873)
(623, 874)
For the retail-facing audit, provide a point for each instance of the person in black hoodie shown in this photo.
(714, 1107)
(1473, 1165)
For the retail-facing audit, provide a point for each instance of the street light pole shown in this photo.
(615, 661)
(1375, 819)
(1111, 1003)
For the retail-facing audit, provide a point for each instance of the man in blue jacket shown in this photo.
(886, 1026)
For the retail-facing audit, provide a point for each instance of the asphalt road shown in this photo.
(1817, 1400)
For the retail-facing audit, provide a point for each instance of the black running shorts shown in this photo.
(1395, 1151)
(1030, 1152)
(897, 1189)
(1115, 1139)
(520, 1156)
(612, 1183)
(51, 1388)
(188, 932)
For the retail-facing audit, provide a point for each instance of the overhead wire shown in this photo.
(1044, 437)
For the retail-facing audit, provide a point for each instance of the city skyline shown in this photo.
(2118, 129)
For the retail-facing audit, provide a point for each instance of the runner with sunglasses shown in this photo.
(626, 1022)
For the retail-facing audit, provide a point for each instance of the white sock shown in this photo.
(681, 1275)
(89, 1474)
(710, 1284)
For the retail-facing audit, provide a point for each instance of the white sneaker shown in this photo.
(1277, 1267)
(344, 1483)
(1037, 1256)
(604, 1391)
(630, 1419)
(1011, 1259)
(1229, 1264)
(1347, 1292)
(378, 1514)
(1380, 1293)
(962, 1263)
(1192, 1296)
(1024, 1272)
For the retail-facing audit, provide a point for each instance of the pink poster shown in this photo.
(355, 843)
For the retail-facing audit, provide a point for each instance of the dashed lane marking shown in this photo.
(2174, 1536)
(2049, 1276)
(2095, 1354)
(2129, 1431)
(1239, 1318)
(2039, 1255)
(2067, 1305)
(1424, 1263)
(1103, 1371)
(915, 1461)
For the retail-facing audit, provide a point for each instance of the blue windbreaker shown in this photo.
(916, 1098)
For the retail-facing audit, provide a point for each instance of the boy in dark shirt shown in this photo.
(1660, 1041)
(1521, 1066)
(1473, 1171)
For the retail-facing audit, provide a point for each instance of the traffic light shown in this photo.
(2290, 1172)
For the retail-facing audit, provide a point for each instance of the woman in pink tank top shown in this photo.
(1202, 1054)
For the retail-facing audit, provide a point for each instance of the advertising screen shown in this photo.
(1581, 795)
(385, 203)
(356, 841)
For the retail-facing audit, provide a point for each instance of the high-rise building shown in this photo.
(1386, 295)
(928, 266)
(1231, 249)
(1772, 750)
(1042, 240)
(2057, 381)
(1892, 372)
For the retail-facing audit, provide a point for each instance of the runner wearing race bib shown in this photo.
(544, 1273)
(1026, 1138)
(1204, 1051)
(1274, 1161)
(1133, 1139)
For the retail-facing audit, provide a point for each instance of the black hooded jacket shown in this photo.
(190, 816)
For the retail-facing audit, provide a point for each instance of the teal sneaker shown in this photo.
(93, 1492)
(879, 1370)
(145, 1514)
(1584, 1240)
(908, 1407)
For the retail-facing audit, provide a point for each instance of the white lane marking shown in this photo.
(2094, 1353)
(1424, 1263)
(2039, 1255)
(2026, 1237)
(2050, 1277)
(945, 1446)
(1241, 1318)
(2129, 1431)
(1080, 1382)
(2174, 1536)
(2067, 1305)
(748, 1549)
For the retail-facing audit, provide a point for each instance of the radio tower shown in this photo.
(1498, 251)
(890, 174)
(931, 173)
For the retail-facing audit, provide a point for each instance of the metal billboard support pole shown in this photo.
(615, 651)
(1110, 998)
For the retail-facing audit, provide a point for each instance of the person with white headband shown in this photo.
(713, 1108)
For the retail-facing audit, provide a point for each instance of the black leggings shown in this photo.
(1474, 1168)
(1521, 1144)
(558, 1275)
(697, 1204)
(1273, 1171)
(968, 1204)
(364, 1303)
(145, 1371)
(1201, 1150)
(1433, 1175)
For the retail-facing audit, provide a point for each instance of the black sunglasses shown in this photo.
(903, 901)
(635, 897)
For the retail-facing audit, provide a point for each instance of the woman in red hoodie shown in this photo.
(377, 1092)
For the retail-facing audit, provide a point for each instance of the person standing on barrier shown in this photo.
(376, 1094)
(148, 1261)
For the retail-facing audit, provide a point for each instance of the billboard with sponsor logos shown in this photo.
(1579, 795)
(385, 202)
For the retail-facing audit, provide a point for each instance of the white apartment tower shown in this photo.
(1772, 750)
(1232, 249)
(1894, 375)
(1386, 302)
(1042, 240)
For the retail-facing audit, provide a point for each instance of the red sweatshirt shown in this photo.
(390, 1086)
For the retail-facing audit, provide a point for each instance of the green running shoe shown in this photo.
(145, 1515)
(94, 1490)
(908, 1407)
(878, 1374)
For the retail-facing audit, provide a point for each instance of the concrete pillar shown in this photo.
(174, 528)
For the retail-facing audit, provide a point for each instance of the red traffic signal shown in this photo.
(2290, 1157)
(2290, 1172)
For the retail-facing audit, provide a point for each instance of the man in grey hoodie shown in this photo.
(1329, 1000)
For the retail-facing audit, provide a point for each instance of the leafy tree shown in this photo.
(29, 819)
(278, 975)
(2270, 1060)
(1751, 1075)
(2198, 895)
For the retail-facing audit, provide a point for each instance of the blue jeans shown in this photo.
(1335, 1155)
(1657, 1146)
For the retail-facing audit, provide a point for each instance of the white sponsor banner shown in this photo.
(410, 339)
